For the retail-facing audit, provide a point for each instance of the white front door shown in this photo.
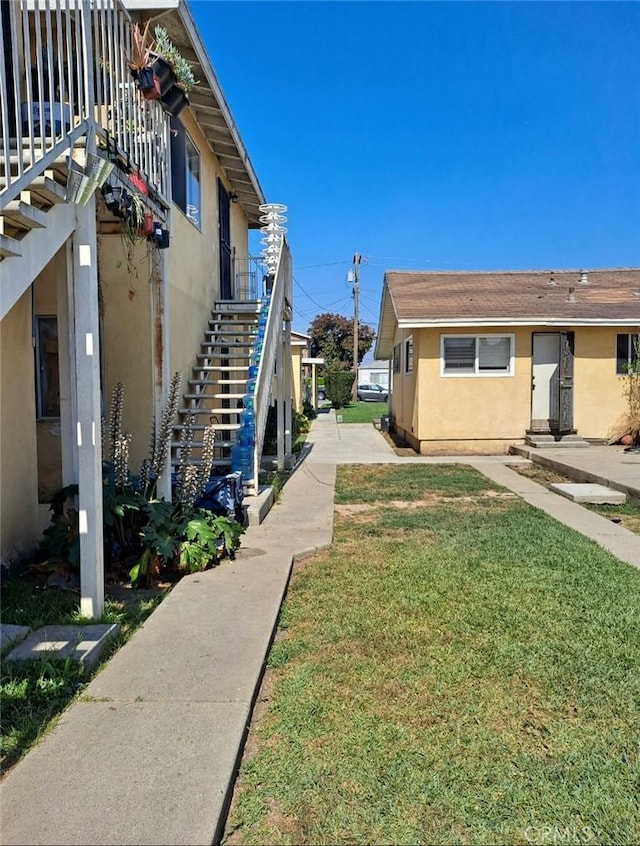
(544, 383)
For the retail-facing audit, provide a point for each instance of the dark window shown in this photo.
(47, 370)
(627, 351)
(396, 358)
(408, 355)
(185, 173)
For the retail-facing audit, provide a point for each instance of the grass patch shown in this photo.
(35, 693)
(362, 412)
(626, 514)
(383, 483)
(464, 672)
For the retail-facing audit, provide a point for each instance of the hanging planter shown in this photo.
(138, 182)
(148, 227)
(160, 235)
(112, 195)
(163, 72)
(148, 83)
(174, 101)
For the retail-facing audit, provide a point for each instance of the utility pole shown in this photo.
(354, 276)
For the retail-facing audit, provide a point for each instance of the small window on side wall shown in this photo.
(185, 173)
(408, 356)
(396, 358)
(627, 351)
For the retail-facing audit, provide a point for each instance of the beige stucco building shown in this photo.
(84, 305)
(483, 361)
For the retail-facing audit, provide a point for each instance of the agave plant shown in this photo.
(142, 48)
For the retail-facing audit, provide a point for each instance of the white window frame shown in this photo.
(408, 344)
(477, 373)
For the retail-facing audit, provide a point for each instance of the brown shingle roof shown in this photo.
(518, 296)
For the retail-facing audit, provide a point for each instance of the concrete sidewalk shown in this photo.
(605, 465)
(149, 755)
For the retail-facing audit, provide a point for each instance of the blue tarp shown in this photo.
(223, 495)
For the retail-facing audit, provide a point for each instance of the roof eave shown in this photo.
(251, 208)
(517, 321)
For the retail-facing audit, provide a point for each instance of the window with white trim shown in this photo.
(627, 351)
(476, 355)
(185, 173)
(408, 355)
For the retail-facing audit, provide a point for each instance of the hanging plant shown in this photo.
(166, 49)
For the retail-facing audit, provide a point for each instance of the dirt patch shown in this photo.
(398, 445)
(357, 508)
(537, 473)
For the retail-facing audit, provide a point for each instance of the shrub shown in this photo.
(158, 538)
(338, 385)
(309, 411)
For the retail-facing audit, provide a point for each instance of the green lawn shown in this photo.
(458, 669)
(362, 412)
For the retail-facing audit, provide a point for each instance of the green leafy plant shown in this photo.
(60, 544)
(164, 47)
(178, 540)
(160, 538)
(309, 411)
(338, 384)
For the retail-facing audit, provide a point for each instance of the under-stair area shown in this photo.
(216, 392)
(35, 224)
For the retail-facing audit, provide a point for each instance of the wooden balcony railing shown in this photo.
(65, 76)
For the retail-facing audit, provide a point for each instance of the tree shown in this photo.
(332, 339)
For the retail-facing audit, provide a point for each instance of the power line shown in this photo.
(326, 264)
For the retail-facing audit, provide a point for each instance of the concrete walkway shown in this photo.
(149, 755)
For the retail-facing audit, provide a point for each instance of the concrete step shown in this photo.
(228, 327)
(210, 412)
(234, 356)
(84, 644)
(23, 216)
(197, 462)
(589, 493)
(540, 441)
(208, 345)
(214, 396)
(199, 427)
(9, 247)
(206, 382)
(199, 444)
(221, 368)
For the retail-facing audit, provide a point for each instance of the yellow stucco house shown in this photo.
(88, 296)
(484, 361)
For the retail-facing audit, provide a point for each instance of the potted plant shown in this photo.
(174, 96)
(141, 65)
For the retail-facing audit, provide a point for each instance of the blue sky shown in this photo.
(444, 135)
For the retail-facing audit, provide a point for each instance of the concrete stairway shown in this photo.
(219, 382)
(34, 224)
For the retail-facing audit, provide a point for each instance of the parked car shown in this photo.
(321, 394)
(372, 392)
